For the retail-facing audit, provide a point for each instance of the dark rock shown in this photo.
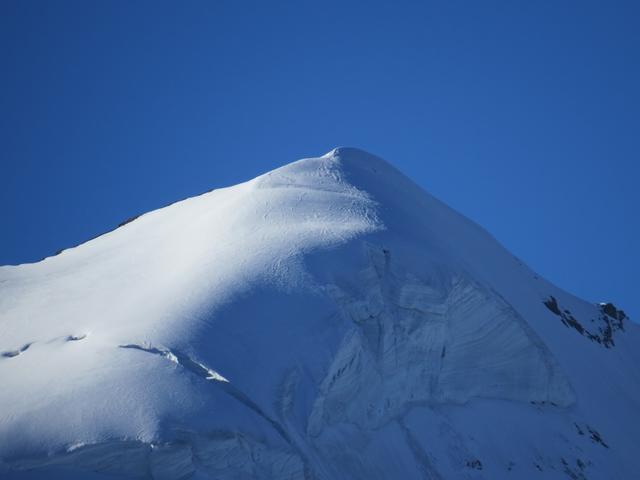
(552, 304)
(475, 464)
(128, 220)
(596, 437)
(610, 320)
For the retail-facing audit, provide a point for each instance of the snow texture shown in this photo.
(326, 320)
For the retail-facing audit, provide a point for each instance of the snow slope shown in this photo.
(326, 320)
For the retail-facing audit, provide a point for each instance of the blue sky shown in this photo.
(524, 116)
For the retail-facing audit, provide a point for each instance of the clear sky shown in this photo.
(524, 116)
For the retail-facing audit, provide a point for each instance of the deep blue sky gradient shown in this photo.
(524, 116)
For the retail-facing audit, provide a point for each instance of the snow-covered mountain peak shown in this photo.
(328, 319)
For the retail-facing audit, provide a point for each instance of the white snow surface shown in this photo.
(326, 320)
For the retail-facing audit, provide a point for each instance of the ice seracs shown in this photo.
(326, 320)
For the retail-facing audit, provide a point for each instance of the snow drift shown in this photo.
(326, 320)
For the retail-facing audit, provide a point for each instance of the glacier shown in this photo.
(326, 320)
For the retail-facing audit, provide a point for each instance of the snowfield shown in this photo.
(326, 320)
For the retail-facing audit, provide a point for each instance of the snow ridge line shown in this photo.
(180, 359)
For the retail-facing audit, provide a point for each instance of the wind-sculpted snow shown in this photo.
(326, 320)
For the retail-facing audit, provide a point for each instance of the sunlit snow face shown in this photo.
(157, 283)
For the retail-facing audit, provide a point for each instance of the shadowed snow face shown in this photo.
(441, 340)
